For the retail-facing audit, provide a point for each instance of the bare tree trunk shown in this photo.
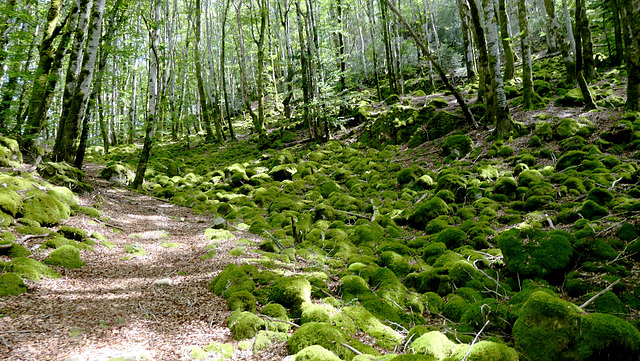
(589, 67)
(569, 61)
(204, 107)
(243, 71)
(465, 18)
(304, 64)
(632, 39)
(223, 77)
(617, 27)
(529, 94)
(567, 22)
(509, 58)
(484, 81)
(391, 76)
(584, 87)
(152, 111)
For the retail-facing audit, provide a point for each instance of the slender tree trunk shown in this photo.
(569, 61)
(617, 28)
(104, 131)
(36, 113)
(259, 126)
(584, 87)
(589, 67)
(5, 28)
(631, 9)
(391, 76)
(504, 122)
(509, 58)
(204, 108)
(223, 77)
(152, 111)
(569, 27)
(529, 94)
(461, 102)
(484, 81)
(306, 97)
(71, 125)
(243, 71)
(375, 52)
(342, 64)
(465, 18)
(288, 84)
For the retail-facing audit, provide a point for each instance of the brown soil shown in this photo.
(111, 307)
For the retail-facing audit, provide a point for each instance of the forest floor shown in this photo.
(112, 307)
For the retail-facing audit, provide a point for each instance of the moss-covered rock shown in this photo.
(232, 279)
(31, 269)
(10, 201)
(118, 173)
(320, 334)
(45, 208)
(283, 172)
(265, 339)
(385, 336)
(10, 155)
(433, 344)
(66, 256)
(74, 233)
(290, 291)
(428, 210)
(245, 324)
(11, 285)
(65, 175)
(534, 253)
(277, 311)
(484, 351)
(458, 145)
(316, 353)
(591, 210)
(452, 237)
(242, 301)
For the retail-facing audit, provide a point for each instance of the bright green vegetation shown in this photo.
(66, 256)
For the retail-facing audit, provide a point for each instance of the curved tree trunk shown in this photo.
(569, 61)
(509, 57)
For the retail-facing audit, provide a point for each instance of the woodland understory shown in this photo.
(359, 181)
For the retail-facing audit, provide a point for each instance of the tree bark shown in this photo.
(589, 67)
(463, 105)
(617, 28)
(529, 94)
(584, 87)
(223, 77)
(204, 107)
(241, 60)
(569, 61)
(465, 18)
(152, 111)
(484, 81)
(391, 76)
(632, 38)
(509, 57)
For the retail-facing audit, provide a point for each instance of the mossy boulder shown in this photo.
(74, 233)
(567, 128)
(451, 237)
(265, 339)
(320, 334)
(45, 208)
(535, 253)
(10, 201)
(549, 328)
(233, 279)
(484, 351)
(66, 256)
(10, 155)
(591, 210)
(118, 173)
(283, 172)
(316, 353)
(242, 301)
(428, 210)
(458, 145)
(245, 324)
(31, 269)
(434, 344)
(11, 285)
(290, 291)
(277, 311)
(65, 175)
(384, 335)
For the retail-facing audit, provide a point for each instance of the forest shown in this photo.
(307, 180)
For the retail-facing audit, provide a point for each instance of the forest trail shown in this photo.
(112, 307)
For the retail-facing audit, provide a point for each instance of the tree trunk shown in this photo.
(259, 126)
(375, 52)
(584, 87)
(391, 76)
(204, 108)
(509, 58)
(306, 96)
(223, 77)
(5, 28)
(589, 67)
(243, 71)
(569, 61)
(465, 18)
(529, 94)
(463, 105)
(342, 64)
(36, 113)
(569, 27)
(504, 123)
(152, 88)
(632, 39)
(484, 81)
(66, 147)
(617, 27)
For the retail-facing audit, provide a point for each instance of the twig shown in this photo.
(32, 236)
(356, 215)
(609, 287)
(114, 226)
(278, 320)
(352, 349)
(474, 341)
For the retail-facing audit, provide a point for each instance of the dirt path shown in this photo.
(111, 307)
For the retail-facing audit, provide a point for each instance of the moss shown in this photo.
(321, 334)
(45, 209)
(434, 344)
(214, 234)
(265, 339)
(529, 178)
(316, 353)
(451, 237)
(607, 303)
(242, 301)
(316, 313)
(135, 249)
(10, 201)
(427, 211)
(277, 311)
(31, 269)
(230, 280)
(245, 324)
(395, 263)
(591, 210)
(17, 251)
(290, 291)
(534, 253)
(117, 173)
(66, 256)
(453, 183)
(607, 337)
(484, 351)
(457, 144)
(74, 233)
(432, 251)
(627, 232)
(455, 308)
(11, 285)
(369, 324)
(600, 195)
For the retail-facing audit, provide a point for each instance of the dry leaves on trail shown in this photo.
(111, 307)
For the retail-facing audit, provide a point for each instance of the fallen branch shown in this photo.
(32, 236)
(352, 349)
(589, 301)
(110, 225)
(278, 320)
(474, 340)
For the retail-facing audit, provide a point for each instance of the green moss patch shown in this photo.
(66, 256)
(31, 269)
(11, 285)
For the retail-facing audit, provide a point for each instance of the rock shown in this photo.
(31, 269)
(11, 285)
(283, 172)
(245, 324)
(118, 174)
(458, 145)
(232, 279)
(484, 350)
(434, 344)
(66, 256)
(290, 291)
(64, 174)
(242, 301)
(316, 353)
(10, 155)
(163, 282)
(44, 208)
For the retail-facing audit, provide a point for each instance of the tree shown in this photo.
(529, 94)
(509, 58)
(204, 107)
(631, 9)
(582, 82)
(153, 92)
(569, 61)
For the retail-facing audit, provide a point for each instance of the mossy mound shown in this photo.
(31, 269)
(278, 312)
(10, 155)
(74, 233)
(118, 173)
(233, 279)
(316, 353)
(265, 339)
(11, 285)
(484, 351)
(45, 209)
(245, 324)
(458, 145)
(534, 253)
(10, 201)
(242, 301)
(290, 291)
(320, 334)
(433, 344)
(66, 256)
(65, 175)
